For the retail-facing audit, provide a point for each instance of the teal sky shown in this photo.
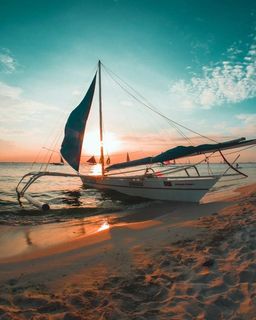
(193, 60)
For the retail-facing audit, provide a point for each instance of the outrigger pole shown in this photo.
(32, 177)
(101, 123)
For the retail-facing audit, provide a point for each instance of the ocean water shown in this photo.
(68, 193)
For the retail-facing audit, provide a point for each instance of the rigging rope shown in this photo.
(171, 122)
(153, 109)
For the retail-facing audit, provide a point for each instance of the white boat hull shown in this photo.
(188, 189)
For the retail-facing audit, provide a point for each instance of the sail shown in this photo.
(127, 157)
(108, 161)
(182, 151)
(92, 160)
(74, 130)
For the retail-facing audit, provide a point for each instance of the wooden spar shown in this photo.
(231, 166)
(33, 176)
(101, 123)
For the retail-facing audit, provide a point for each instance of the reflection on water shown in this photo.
(19, 240)
(28, 238)
(104, 226)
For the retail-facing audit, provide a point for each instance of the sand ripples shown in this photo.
(209, 277)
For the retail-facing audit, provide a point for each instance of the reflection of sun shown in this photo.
(104, 226)
(92, 143)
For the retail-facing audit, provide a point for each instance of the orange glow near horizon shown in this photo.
(114, 147)
(28, 155)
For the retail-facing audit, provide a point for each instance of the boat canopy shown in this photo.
(74, 130)
(182, 151)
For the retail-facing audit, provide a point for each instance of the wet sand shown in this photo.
(165, 261)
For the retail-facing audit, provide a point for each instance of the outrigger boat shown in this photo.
(171, 183)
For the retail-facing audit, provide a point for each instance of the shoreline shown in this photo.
(28, 239)
(158, 262)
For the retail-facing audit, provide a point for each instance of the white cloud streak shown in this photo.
(18, 112)
(229, 82)
(8, 63)
(247, 118)
(245, 128)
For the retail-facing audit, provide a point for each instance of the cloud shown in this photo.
(26, 125)
(245, 128)
(9, 91)
(18, 112)
(126, 103)
(247, 118)
(230, 81)
(12, 99)
(6, 144)
(8, 63)
(247, 131)
(76, 93)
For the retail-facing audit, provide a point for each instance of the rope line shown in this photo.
(153, 109)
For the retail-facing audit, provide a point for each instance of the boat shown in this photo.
(92, 160)
(61, 163)
(140, 177)
(108, 161)
(238, 166)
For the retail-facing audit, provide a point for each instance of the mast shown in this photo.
(101, 124)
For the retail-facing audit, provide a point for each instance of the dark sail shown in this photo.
(74, 130)
(108, 161)
(182, 151)
(92, 160)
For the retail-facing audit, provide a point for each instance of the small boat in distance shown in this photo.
(238, 166)
(92, 160)
(142, 177)
(108, 161)
(61, 163)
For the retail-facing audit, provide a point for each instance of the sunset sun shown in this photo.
(91, 144)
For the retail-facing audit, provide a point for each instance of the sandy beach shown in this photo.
(165, 261)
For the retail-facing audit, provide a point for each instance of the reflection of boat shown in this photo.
(61, 163)
(175, 183)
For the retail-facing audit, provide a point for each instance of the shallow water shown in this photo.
(69, 194)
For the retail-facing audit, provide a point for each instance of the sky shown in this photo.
(194, 61)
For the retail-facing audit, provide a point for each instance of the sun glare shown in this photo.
(96, 169)
(92, 143)
(104, 226)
